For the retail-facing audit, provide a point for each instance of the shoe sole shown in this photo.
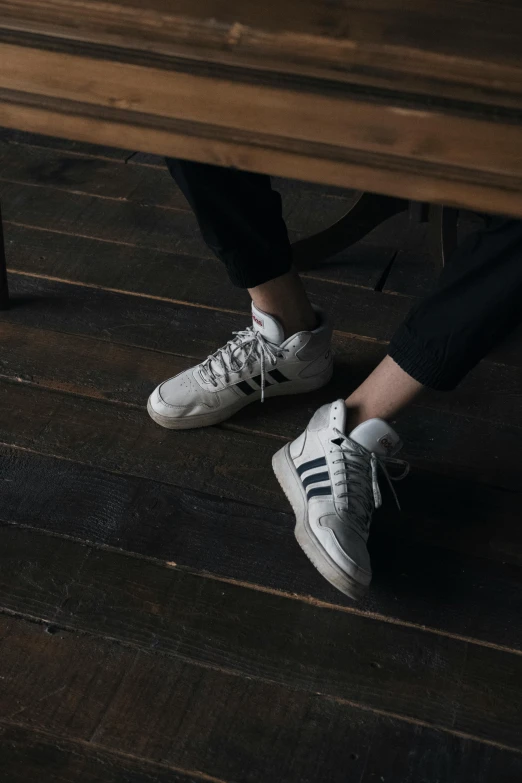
(290, 483)
(222, 414)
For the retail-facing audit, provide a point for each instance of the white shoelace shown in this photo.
(354, 459)
(239, 354)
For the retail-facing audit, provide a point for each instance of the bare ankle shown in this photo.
(295, 323)
(284, 298)
(356, 415)
(386, 391)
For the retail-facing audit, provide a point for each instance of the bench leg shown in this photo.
(4, 288)
(443, 231)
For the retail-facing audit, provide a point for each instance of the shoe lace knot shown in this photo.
(240, 354)
(353, 462)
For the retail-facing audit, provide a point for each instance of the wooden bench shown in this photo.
(414, 99)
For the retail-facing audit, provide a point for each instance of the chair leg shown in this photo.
(443, 231)
(419, 212)
(367, 211)
(4, 288)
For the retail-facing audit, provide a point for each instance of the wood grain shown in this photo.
(440, 48)
(429, 434)
(123, 438)
(259, 635)
(450, 567)
(119, 373)
(137, 220)
(53, 355)
(186, 279)
(309, 735)
(25, 753)
(271, 118)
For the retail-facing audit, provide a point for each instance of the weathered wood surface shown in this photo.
(124, 703)
(426, 570)
(28, 755)
(383, 97)
(448, 683)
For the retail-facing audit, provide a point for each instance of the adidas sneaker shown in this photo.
(257, 363)
(331, 481)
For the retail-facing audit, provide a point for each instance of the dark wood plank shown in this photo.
(82, 365)
(132, 224)
(490, 392)
(93, 176)
(380, 665)
(137, 220)
(29, 755)
(124, 439)
(4, 283)
(431, 568)
(253, 731)
(430, 434)
(179, 277)
(19, 137)
(186, 278)
(119, 318)
(119, 372)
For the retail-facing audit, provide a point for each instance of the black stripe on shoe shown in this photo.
(245, 388)
(320, 462)
(278, 376)
(318, 491)
(315, 478)
(257, 380)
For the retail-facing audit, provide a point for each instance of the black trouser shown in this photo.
(477, 301)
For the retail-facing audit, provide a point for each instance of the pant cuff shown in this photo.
(242, 276)
(419, 362)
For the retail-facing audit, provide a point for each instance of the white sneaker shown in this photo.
(257, 363)
(330, 479)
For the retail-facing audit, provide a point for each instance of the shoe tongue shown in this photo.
(377, 436)
(268, 326)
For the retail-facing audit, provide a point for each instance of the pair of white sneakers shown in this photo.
(328, 475)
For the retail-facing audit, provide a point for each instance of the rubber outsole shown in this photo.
(289, 482)
(222, 414)
(192, 422)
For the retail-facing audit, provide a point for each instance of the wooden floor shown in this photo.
(158, 621)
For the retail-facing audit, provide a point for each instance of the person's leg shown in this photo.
(384, 393)
(240, 218)
(476, 303)
(329, 472)
(285, 298)
(287, 348)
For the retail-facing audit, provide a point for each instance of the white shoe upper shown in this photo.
(338, 473)
(256, 363)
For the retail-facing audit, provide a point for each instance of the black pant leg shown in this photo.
(477, 302)
(240, 217)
